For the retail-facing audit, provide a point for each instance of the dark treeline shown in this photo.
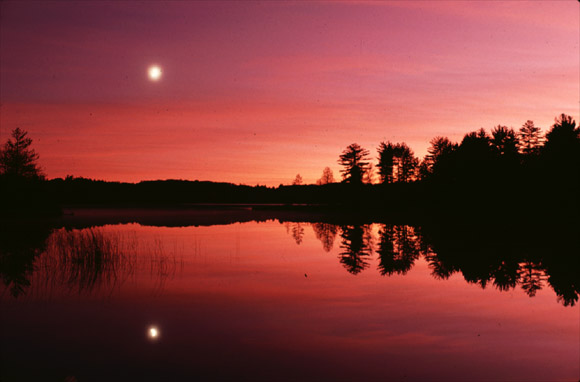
(504, 174)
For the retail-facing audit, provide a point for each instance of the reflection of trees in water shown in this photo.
(564, 279)
(356, 247)
(439, 270)
(505, 259)
(505, 274)
(531, 277)
(482, 258)
(297, 231)
(20, 244)
(90, 260)
(399, 247)
(326, 233)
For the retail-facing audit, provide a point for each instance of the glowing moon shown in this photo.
(155, 73)
(153, 333)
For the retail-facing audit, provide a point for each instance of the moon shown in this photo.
(155, 73)
(153, 333)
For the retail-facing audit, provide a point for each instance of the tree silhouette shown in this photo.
(24, 189)
(17, 159)
(297, 181)
(406, 163)
(327, 177)
(529, 138)
(440, 147)
(564, 137)
(397, 162)
(560, 158)
(476, 142)
(441, 160)
(504, 141)
(504, 145)
(474, 157)
(354, 159)
(386, 161)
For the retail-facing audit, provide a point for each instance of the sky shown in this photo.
(257, 92)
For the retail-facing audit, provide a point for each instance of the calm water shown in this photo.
(278, 301)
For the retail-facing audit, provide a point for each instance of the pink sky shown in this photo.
(258, 92)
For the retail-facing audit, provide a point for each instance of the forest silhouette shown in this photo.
(506, 174)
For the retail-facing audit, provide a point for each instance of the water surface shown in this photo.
(279, 301)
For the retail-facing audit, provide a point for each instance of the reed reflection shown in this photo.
(80, 261)
(86, 259)
(483, 258)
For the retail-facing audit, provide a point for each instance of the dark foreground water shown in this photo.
(279, 301)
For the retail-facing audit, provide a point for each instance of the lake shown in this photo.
(282, 300)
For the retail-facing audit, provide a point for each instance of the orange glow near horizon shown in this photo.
(256, 93)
